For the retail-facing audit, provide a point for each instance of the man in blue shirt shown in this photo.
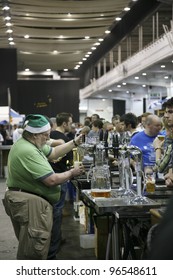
(144, 139)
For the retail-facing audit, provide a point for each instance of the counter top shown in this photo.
(115, 203)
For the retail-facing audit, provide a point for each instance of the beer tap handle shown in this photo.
(106, 142)
(115, 145)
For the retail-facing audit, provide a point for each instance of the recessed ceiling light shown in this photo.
(26, 36)
(80, 62)
(10, 39)
(136, 78)
(65, 69)
(48, 70)
(84, 58)
(103, 99)
(87, 55)
(9, 31)
(27, 70)
(162, 66)
(126, 9)
(166, 77)
(124, 83)
(110, 90)
(107, 31)
(143, 85)
(93, 48)
(87, 37)
(89, 52)
(8, 24)
(144, 74)
(6, 8)
(118, 86)
(100, 39)
(118, 18)
(55, 51)
(11, 43)
(97, 44)
(7, 18)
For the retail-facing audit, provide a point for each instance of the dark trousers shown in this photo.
(57, 221)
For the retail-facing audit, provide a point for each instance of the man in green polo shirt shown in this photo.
(33, 187)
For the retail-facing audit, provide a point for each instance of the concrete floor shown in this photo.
(71, 230)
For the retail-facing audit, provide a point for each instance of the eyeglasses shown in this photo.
(168, 112)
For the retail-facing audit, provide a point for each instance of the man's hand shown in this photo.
(169, 178)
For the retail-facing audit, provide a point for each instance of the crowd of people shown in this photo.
(40, 168)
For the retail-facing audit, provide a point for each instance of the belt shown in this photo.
(21, 190)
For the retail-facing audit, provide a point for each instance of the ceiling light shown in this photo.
(6, 8)
(27, 70)
(102, 15)
(11, 43)
(118, 18)
(10, 38)
(9, 31)
(97, 44)
(118, 86)
(93, 48)
(48, 70)
(7, 18)
(55, 52)
(69, 15)
(166, 77)
(87, 55)
(107, 31)
(162, 66)
(127, 91)
(89, 52)
(100, 39)
(80, 62)
(136, 78)
(87, 37)
(144, 74)
(143, 85)
(126, 9)
(84, 58)
(8, 24)
(61, 36)
(26, 36)
(110, 90)
(65, 69)
(103, 99)
(124, 84)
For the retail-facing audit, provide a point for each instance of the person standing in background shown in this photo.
(144, 139)
(64, 122)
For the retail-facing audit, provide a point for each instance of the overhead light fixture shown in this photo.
(166, 77)
(11, 43)
(87, 37)
(7, 18)
(93, 48)
(143, 85)
(110, 90)
(26, 36)
(136, 78)
(27, 70)
(48, 70)
(107, 31)
(10, 38)
(9, 31)
(118, 18)
(162, 66)
(100, 39)
(65, 69)
(126, 9)
(144, 74)
(6, 8)
(8, 24)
